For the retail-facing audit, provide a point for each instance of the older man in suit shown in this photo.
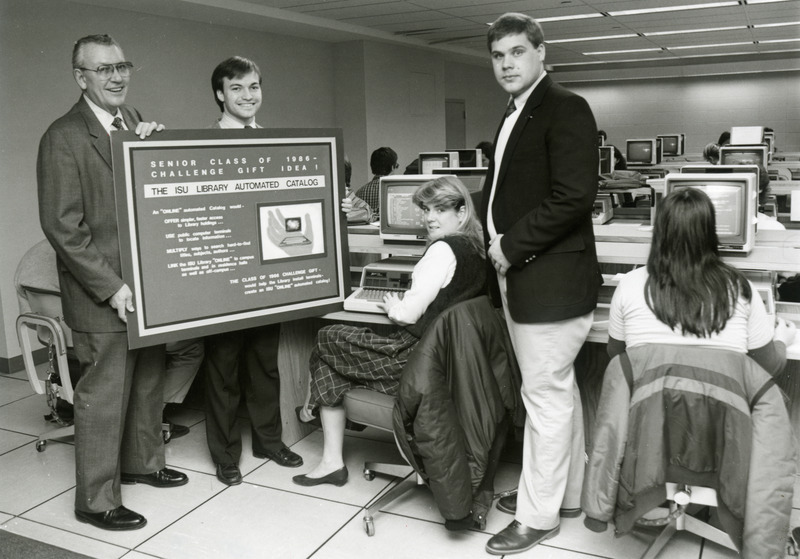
(118, 398)
(537, 222)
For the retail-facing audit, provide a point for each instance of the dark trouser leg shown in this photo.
(222, 396)
(142, 442)
(101, 399)
(262, 385)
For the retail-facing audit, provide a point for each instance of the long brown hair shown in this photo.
(688, 284)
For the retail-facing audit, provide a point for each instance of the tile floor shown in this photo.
(267, 516)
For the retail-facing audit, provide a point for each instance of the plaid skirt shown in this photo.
(347, 357)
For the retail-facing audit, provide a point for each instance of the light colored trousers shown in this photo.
(553, 454)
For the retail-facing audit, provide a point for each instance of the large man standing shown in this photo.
(118, 397)
(249, 357)
(537, 223)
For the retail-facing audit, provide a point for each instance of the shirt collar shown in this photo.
(227, 121)
(104, 116)
(521, 99)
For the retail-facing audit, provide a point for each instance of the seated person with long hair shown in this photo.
(687, 295)
(451, 270)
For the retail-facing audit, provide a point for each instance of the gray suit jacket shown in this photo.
(77, 211)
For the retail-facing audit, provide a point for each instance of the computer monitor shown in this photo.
(430, 160)
(744, 155)
(709, 168)
(671, 144)
(402, 220)
(746, 135)
(606, 154)
(642, 152)
(468, 157)
(472, 177)
(735, 199)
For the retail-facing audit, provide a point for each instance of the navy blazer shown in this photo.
(77, 210)
(543, 203)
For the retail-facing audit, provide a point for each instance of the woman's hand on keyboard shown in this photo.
(389, 301)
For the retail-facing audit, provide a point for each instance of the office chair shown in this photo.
(374, 409)
(462, 368)
(39, 300)
(692, 425)
(680, 497)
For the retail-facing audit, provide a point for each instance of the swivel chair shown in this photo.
(39, 300)
(693, 426)
(490, 390)
(374, 409)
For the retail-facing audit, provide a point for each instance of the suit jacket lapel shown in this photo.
(99, 134)
(535, 99)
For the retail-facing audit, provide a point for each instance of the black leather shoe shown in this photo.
(283, 457)
(516, 538)
(508, 504)
(229, 474)
(119, 518)
(172, 430)
(162, 478)
(337, 478)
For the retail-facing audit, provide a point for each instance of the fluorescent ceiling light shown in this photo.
(711, 46)
(601, 38)
(779, 41)
(683, 31)
(606, 62)
(599, 52)
(672, 8)
(782, 24)
(764, 1)
(568, 18)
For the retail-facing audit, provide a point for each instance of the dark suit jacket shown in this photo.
(543, 204)
(77, 211)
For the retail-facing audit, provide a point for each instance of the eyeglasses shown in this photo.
(105, 71)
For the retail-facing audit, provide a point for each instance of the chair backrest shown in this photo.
(48, 304)
(36, 282)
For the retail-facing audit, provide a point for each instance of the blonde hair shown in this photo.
(449, 192)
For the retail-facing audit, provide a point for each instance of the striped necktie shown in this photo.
(510, 108)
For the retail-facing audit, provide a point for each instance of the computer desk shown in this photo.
(621, 243)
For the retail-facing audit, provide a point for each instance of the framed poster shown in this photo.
(222, 230)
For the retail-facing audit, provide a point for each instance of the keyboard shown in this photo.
(390, 275)
(369, 299)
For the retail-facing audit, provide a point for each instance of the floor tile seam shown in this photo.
(178, 519)
(33, 442)
(327, 540)
(25, 397)
(577, 551)
(69, 531)
(285, 490)
(47, 500)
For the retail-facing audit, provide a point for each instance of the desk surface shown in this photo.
(625, 243)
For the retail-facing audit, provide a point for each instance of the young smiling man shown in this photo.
(245, 360)
(536, 217)
(236, 83)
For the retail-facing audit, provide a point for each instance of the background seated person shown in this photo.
(451, 270)
(711, 153)
(687, 295)
(382, 162)
(356, 209)
(619, 160)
